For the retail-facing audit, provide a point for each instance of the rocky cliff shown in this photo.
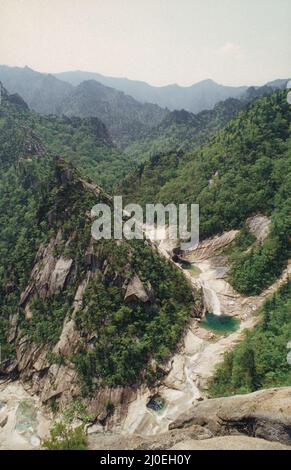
(255, 421)
(79, 317)
(67, 269)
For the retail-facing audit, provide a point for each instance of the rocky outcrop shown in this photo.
(60, 274)
(264, 414)
(136, 291)
(212, 265)
(163, 441)
(30, 357)
(188, 372)
(49, 273)
(13, 322)
(229, 443)
(3, 420)
(259, 225)
(110, 405)
(257, 421)
(32, 143)
(23, 421)
(195, 438)
(69, 340)
(60, 380)
(210, 247)
(48, 371)
(35, 363)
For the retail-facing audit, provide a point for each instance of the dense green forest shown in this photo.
(131, 334)
(260, 360)
(84, 142)
(126, 118)
(24, 184)
(42, 196)
(182, 131)
(87, 144)
(243, 170)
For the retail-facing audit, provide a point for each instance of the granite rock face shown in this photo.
(256, 421)
(185, 376)
(136, 291)
(259, 225)
(230, 443)
(264, 414)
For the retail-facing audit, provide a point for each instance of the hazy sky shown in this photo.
(159, 41)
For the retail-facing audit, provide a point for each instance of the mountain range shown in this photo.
(126, 118)
(194, 98)
(121, 329)
(42, 92)
(181, 130)
(34, 88)
(47, 255)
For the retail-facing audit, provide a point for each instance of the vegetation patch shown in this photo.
(260, 360)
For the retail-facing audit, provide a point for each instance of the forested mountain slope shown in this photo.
(42, 92)
(182, 131)
(76, 315)
(86, 142)
(126, 118)
(244, 169)
(260, 360)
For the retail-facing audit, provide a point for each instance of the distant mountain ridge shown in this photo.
(279, 84)
(126, 118)
(130, 109)
(42, 92)
(194, 98)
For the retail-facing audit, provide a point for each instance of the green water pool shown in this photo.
(156, 403)
(195, 271)
(220, 323)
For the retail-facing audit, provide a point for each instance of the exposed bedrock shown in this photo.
(187, 373)
(264, 414)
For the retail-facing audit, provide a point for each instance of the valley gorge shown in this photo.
(186, 376)
(138, 334)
